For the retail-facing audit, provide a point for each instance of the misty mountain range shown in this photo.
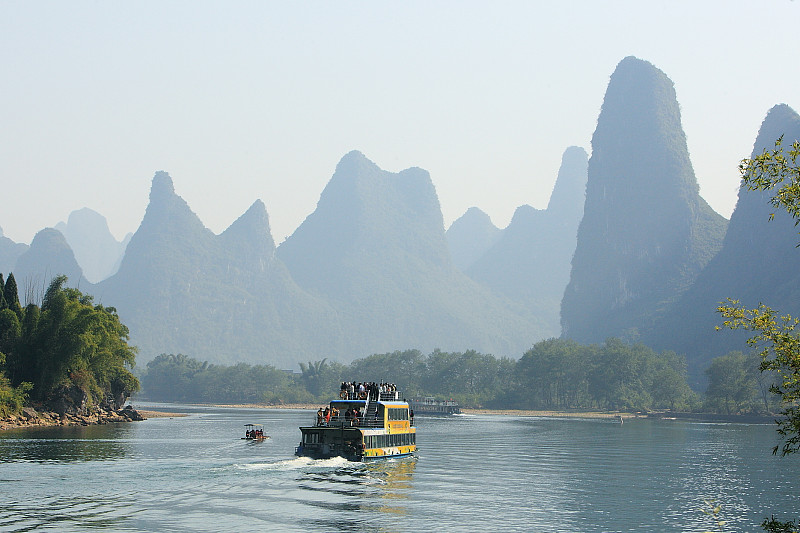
(626, 248)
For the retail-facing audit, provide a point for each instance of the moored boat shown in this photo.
(432, 406)
(373, 423)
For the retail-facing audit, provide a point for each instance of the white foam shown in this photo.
(296, 463)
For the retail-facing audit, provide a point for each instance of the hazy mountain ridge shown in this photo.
(646, 233)
(758, 263)
(9, 252)
(529, 262)
(470, 236)
(182, 289)
(95, 249)
(48, 256)
(375, 247)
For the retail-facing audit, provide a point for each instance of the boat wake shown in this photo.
(298, 463)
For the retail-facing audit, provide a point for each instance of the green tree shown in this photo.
(553, 375)
(11, 295)
(173, 378)
(407, 368)
(22, 362)
(668, 385)
(12, 399)
(10, 333)
(79, 345)
(321, 378)
(619, 377)
(732, 384)
(3, 303)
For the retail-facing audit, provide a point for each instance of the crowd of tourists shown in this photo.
(352, 416)
(351, 390)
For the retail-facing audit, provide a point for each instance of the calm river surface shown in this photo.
(483, 472)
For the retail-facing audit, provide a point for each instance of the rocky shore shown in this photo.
(30, 417)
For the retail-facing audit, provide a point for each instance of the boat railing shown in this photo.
(340, 420)
(383, 396)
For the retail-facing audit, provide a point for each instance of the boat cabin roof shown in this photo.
(254, 425)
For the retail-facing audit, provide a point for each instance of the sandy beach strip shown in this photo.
(548, 414)
(264, 406)
(159, 414)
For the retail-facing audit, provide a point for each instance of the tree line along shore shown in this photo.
(555, 375)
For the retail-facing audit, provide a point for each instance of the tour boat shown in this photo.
(360, 426)
(432, 406)
(254, 432)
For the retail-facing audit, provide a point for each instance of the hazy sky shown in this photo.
(247, 100)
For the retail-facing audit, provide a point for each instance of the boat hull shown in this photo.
(374, 454)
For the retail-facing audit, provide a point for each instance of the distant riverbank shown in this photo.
(551, 414)
(613, 415)
(467, 411)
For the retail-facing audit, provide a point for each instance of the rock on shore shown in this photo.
(30, 417)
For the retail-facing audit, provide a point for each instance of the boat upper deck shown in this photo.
(368, 406)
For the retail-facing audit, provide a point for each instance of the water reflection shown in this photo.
(359, 493)
(473, 473)
(64, 514)
(64, 444)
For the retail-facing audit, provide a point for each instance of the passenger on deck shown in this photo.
(320, 416)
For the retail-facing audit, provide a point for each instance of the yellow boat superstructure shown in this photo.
(360, 427)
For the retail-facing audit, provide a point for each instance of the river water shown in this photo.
(482, 472)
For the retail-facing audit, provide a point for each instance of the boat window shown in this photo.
(398, 414)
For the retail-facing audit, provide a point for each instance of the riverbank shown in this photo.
(612, 415)
(159, 414)
(306, 406)
(467, 411)
(30, 417)
(551, 414)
